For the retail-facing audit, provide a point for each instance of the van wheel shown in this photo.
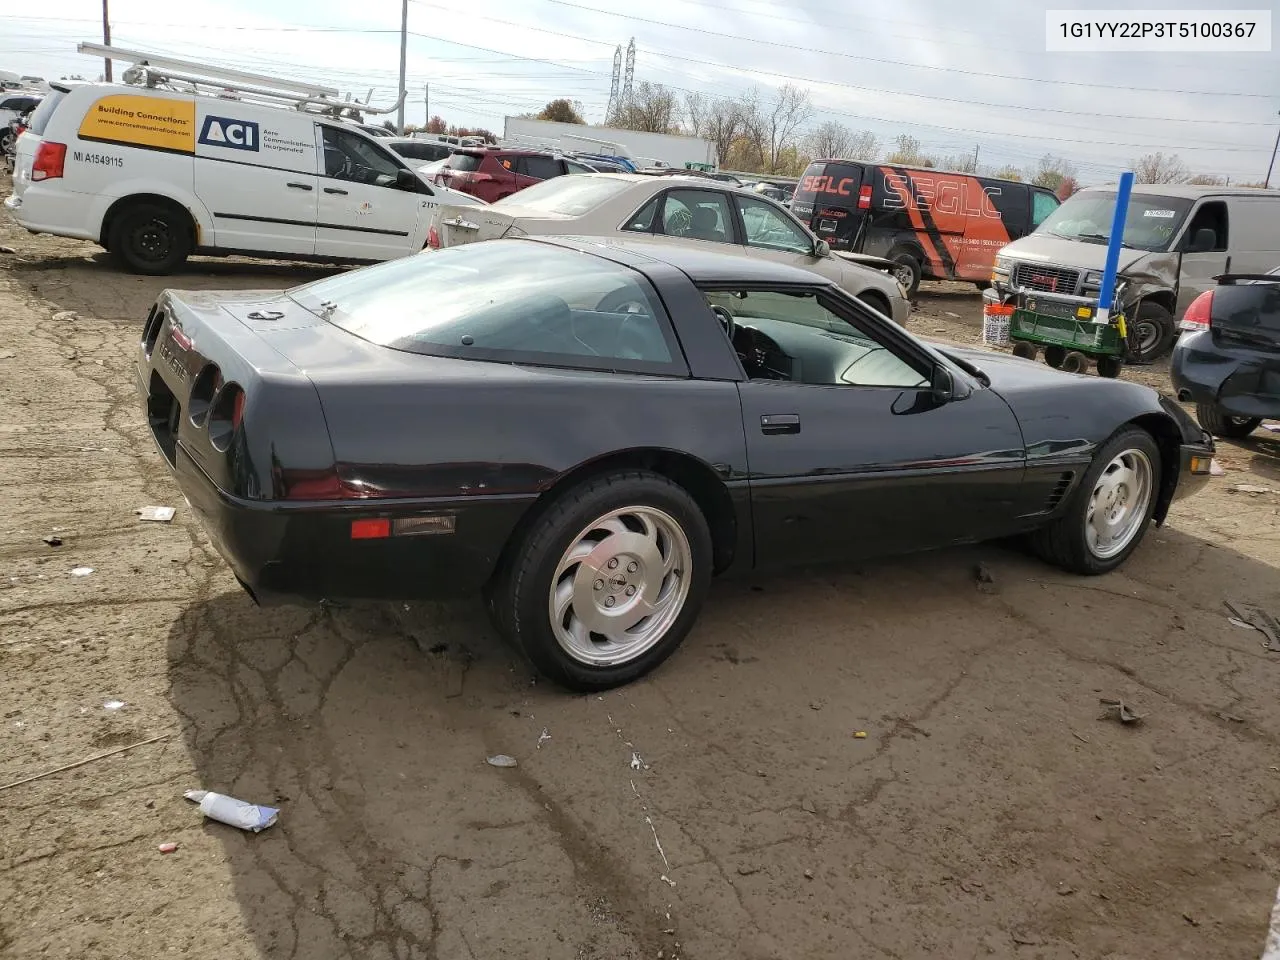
(907, 272)
(150, 238)
(1151, 333)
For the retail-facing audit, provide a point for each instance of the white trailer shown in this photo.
(668, 150)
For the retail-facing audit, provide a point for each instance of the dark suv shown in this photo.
(493, 173)
(1227, 358)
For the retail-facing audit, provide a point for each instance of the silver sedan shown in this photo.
(672, 209)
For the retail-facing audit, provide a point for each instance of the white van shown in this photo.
(156, 174)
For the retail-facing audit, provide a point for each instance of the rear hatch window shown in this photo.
(827, 186)
(465, 162)
(1249, 313)
(42, 114)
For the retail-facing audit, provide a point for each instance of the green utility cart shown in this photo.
(1064, 325)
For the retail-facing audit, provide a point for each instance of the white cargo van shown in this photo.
(155, 173)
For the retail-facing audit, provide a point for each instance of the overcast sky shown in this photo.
(954, 75)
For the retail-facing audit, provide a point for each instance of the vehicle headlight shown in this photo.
(1000, 269)
(1093, 279)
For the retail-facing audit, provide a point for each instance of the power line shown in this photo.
(903, 63)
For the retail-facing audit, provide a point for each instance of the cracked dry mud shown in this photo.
(987, 813)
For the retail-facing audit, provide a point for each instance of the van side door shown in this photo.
(255, 171)
(1254, 244)
(367, 210)
(1203, 245)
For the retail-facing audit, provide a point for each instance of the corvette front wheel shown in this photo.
(608, 582)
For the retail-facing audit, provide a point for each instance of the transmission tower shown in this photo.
(630, 73)
(611, 110)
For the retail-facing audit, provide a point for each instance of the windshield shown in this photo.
(507, 300)
(569, 196)
(1151, 224)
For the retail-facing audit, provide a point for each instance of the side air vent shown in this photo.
(1059, 491)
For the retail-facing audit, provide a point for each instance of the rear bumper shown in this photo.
(304, 550)
(59, 212)
(1239, 381)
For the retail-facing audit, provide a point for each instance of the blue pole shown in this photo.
(1116, 239)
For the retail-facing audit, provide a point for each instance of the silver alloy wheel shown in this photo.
(620, 586)
(1148, 333)
(1118, 504)
(904, 275)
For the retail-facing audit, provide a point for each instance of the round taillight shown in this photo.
(225, 416)
(206, 387)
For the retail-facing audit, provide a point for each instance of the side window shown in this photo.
(1211, 216)
(1042, 204)
(642, 222)
(350, 156)
(767, 228)
(801, 338)
(541, 168)
(696, 215)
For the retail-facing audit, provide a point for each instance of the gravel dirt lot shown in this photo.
(722, 808)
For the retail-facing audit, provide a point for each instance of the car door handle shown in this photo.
(300, 186)
(780, 423)
(335, 190)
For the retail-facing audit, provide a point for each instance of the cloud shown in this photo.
(955, 76)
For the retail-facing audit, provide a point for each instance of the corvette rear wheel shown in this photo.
(1111, 510)
(608, 582)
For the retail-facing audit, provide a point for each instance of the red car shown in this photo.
(493, 173)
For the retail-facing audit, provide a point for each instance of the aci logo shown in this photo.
(233, 134)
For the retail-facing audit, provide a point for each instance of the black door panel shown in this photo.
(877, 470)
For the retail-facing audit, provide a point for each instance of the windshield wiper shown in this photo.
(1093, 236)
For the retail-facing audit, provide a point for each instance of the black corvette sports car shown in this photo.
(588, 430)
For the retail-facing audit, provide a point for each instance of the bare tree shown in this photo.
(1008, 172)
(772, 126)
(906, 152)
(652, 109)
(716, 119)
(1207, 180)
(833, 140)
(960, 163)
(1067, 187)
(1159, 168)
(865, 146)
(1050, 171)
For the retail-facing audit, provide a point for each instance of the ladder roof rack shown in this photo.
(157, 70)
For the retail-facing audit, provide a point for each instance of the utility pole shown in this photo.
(426, 105)
(975, 157)
(1266, 184)
(106, 41)
(404, 42)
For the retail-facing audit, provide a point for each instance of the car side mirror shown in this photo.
(1203, 241)
(407, 179)
(942, 384)
(822, 249)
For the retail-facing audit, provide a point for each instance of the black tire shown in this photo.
(1054, 356)
(151, 238)
(1151, 332)
(1063, 542)
(910, 270)
(877, 303)
(1074, 362)
(1223, 424)
(1110, 367)
(982, 285)
(1025, 350)
(519, 598)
